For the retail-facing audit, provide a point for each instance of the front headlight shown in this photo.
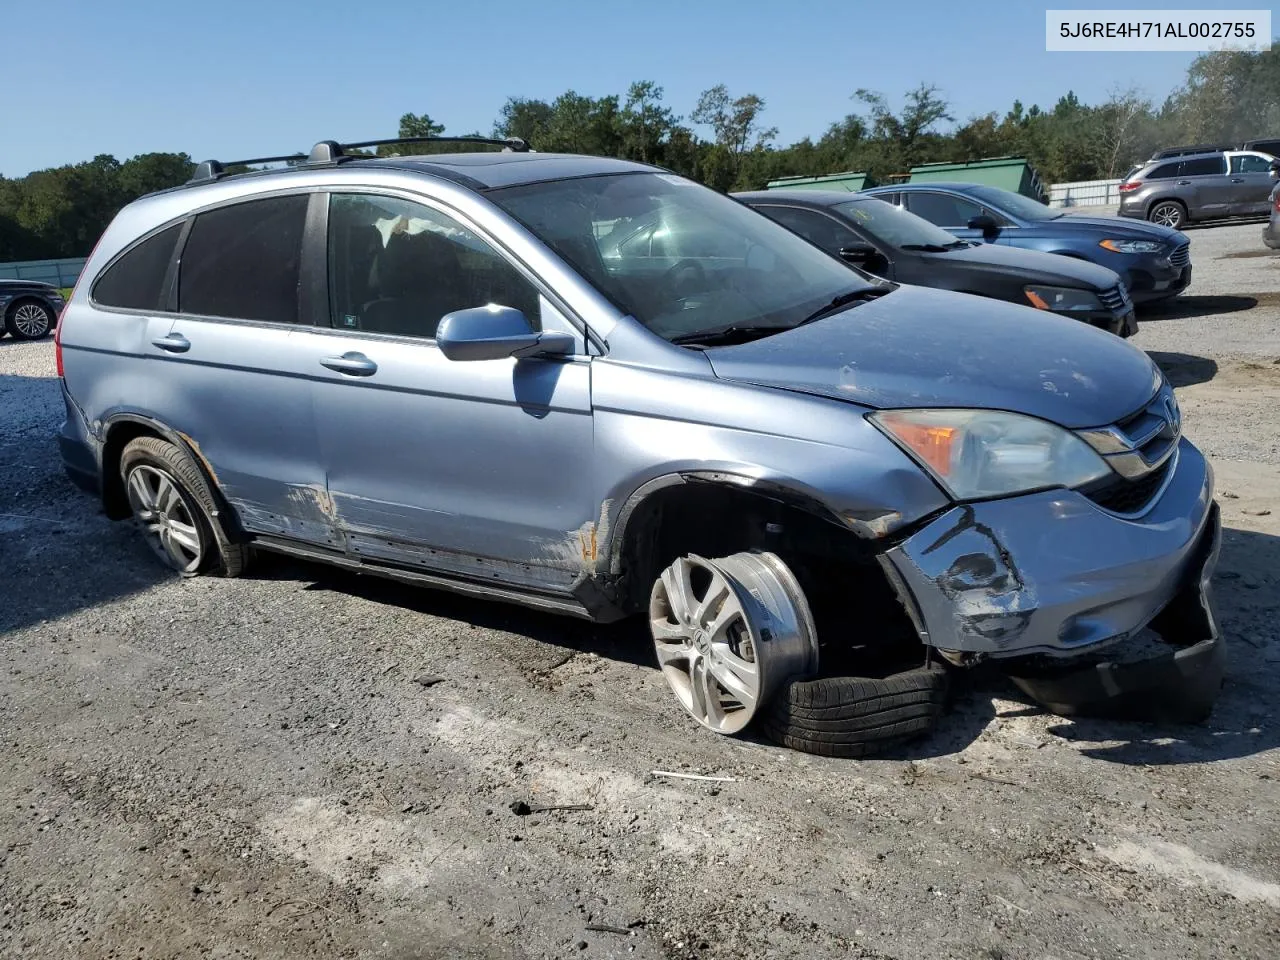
(1061, 299)
(990, 453)
(1132, 246)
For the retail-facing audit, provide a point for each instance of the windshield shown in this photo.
(1015, 203)
(681, 258)
(894, 226)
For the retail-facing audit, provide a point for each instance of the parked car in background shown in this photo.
(1152, 261)
(895, 244)
(1269, 145)
(1189, 150)
(815, 487)
(29, 309)
(1205, 186)
(1271, 232)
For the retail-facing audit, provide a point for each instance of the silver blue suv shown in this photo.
(823, 491)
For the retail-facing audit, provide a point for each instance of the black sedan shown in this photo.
(30, 309)
(897, 245)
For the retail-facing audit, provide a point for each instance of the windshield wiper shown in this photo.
(841, 300)
(932, 247)
(731, 334)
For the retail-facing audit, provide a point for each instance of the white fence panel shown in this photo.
(1085, 193)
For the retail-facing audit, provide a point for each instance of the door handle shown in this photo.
(1237, 179)
(1184, 183)
(351, 363)
(174, 343)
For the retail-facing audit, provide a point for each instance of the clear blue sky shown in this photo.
(232, 78)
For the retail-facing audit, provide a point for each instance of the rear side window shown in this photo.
(137, 280)
(244, 261)
(1166, 171)
(942, 209)
(1204, 166)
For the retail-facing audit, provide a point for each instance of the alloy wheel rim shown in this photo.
(1167, 215)
(166, 519)
(727, 632)
(31, 319)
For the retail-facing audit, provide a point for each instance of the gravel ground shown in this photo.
(266, 768)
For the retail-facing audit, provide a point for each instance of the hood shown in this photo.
(1121, 227)
(917, 347)
(1031, 266)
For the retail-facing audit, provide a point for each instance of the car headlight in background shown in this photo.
(1132, 246)
(990, 453)
(1061, 299)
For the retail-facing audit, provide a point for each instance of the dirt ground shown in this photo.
(268, 767)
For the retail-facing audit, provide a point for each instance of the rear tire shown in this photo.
(28, 320)
(1168, 213)
(856, 716)
(174, 508)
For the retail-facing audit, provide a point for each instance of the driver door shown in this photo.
(478, 468)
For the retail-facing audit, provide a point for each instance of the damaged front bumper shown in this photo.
(1054, 575)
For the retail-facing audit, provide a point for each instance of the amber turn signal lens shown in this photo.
(930, 443)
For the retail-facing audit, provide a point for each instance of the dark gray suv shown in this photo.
(1207, 186)
(818, 489)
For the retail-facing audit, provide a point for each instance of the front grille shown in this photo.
(1115, 299)
(1130, 496)
(1181, 255)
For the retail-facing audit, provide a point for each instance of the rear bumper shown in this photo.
(78, 448)
(1053, 573)
(1271, 233)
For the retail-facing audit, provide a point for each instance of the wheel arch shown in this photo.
(118, 430)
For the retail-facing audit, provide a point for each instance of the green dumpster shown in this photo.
(851, 181)
(1010, 173)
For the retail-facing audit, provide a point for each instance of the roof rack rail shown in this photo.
(330, 151)
(212, 169)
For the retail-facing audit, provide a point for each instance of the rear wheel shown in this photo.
(1168, 213)
(28, 320)
(174, 509)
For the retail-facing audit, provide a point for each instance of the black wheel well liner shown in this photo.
(855, 606)
(124, 427)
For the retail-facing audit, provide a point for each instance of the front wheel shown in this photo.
(28, 320)
(1168, 213)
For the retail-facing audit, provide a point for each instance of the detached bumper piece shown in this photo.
(1177, 685)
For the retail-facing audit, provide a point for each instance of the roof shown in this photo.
(495, 170)
(958, 185)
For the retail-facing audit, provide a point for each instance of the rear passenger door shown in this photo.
(481, 469)
(231, 373)
(1251, 183)
(1204, 183)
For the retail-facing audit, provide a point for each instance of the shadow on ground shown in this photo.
(1184, 369)
(1241, 725)
(1182, 308)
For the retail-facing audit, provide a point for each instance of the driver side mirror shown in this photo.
(987, 224)
(859, 253)
(495, 332)
(1275, 169)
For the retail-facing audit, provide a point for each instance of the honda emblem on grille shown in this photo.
(1172, 419)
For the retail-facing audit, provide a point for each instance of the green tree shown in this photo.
(645, 122)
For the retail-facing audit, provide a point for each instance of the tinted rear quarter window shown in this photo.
(244, 261)
(1203, 167)
(1166, 171)
(136, 281)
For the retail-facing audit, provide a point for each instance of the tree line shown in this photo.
(725, 142)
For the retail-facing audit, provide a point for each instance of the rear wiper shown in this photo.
(730, 334)
(841, 300)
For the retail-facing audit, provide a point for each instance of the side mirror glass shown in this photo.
(495, 332)
(1274, 168)
(857, 252)
(986, 224)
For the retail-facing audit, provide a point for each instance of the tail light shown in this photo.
(1131, 185)
(1278, 202)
